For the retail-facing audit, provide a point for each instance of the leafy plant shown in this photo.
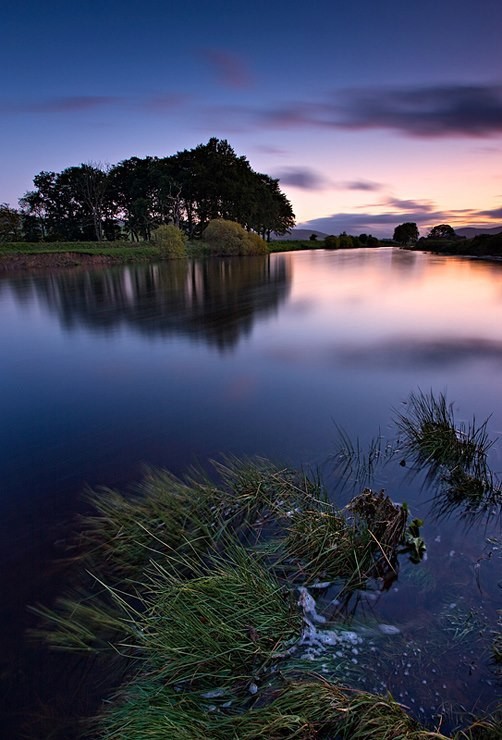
(171, 240)
(228, 238)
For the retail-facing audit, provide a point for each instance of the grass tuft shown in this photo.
(195, 585)
(454, 455)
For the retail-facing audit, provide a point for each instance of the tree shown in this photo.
(331, 242)
(34, 215)
(442, 231)
(188, 189)
(92, 182)
(345, 241)
(406, 233)
(10, 223)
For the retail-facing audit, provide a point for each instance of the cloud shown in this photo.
(230, 69)
(269, 149)
(69, 104)
(378, 224)
(393, 211)
(354, 223)
(302, 177)
(495, 213)
(365, 185)
(411, 206)
(82, 103)
(434, 111)
(294, 115)
(308, 179)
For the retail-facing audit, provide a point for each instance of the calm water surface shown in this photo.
(103, 372)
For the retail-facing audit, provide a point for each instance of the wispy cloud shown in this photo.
(364, 185)
(293, 115)
(230, 69)
(303, 177)
(379, 224)
(82, 103)
(67, 104)
(495, 213)
(433, 111)
(411, 206)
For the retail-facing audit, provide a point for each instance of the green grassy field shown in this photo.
(120, 249)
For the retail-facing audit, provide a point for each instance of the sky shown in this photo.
(370, 112)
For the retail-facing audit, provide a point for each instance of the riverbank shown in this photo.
(27, 257)
(21, 257)
(24, 256)
(485, 246)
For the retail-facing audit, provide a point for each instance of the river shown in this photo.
(105, 371)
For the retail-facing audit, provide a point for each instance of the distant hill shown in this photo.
(300, 235)
(470, 231)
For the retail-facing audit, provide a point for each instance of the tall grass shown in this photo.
(301, 710)
(194, 583)
(455, 455)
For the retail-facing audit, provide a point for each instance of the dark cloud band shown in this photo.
(433, 111)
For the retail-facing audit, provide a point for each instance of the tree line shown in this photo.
(408, 233)
(92, 202)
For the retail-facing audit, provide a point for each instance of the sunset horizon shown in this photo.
(368, 117)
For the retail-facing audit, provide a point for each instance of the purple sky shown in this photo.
(371, 113)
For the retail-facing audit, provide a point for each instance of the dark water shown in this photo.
(172, 364)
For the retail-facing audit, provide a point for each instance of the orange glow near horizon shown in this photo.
(435, 291)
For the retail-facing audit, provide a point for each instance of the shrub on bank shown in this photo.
(331, 242)
(170, 240)
(228, 238)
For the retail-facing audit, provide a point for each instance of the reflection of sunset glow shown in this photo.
(398, 292)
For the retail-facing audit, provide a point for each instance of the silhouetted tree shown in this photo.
(189, 189)
(406, 233)
(331, 242)
(442, 231)
(10, 223)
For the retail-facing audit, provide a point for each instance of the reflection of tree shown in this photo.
(213, 300)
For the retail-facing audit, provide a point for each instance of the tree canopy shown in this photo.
(10, 223)
(442, 231)
(188, 189)
(406, 233)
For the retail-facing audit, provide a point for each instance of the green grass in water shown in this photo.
(194, 583)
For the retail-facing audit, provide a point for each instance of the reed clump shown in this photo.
(455, 455)
(305, 710)
(195, 585)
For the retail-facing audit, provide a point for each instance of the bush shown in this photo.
(170, 240)
(331, 242)
(225, 238)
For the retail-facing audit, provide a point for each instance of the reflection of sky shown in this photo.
(383, 112)
(357, 299)
(356, 333)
